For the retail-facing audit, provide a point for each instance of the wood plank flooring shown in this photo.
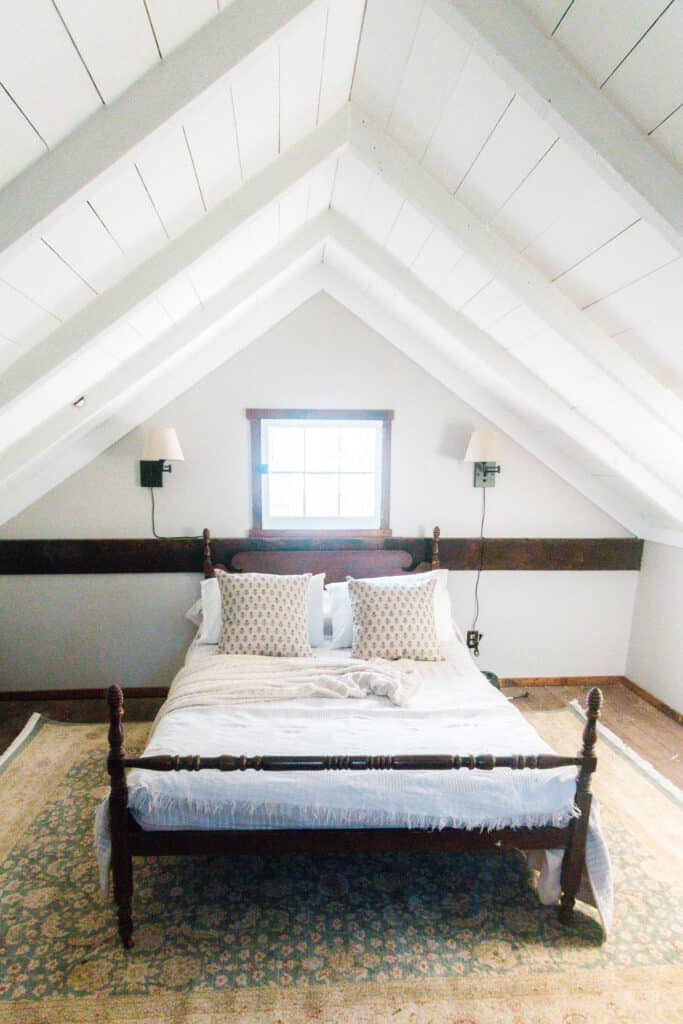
(643, 727)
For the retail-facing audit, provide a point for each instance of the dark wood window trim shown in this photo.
(256, 417)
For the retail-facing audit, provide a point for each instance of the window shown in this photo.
(320, 470)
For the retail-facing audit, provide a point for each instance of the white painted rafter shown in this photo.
(534, 66)
(70, 339)
(386, 158)
(114, 133)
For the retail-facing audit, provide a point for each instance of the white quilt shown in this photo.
(452, 710)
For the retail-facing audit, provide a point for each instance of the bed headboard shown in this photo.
(350, 556)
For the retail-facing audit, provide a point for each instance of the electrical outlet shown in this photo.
(473, 638)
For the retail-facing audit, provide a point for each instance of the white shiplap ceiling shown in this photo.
(173, 169)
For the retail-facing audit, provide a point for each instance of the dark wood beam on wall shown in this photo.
(146, 555)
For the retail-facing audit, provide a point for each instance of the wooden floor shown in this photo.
(648, 731)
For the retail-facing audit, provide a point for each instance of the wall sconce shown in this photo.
(161, 448)
(484, 450)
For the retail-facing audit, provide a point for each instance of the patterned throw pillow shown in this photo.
(264, 614)
(391, 620)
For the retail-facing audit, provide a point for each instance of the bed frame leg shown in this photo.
(575, 853)
(121, 860)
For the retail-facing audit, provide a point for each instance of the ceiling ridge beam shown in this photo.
(497, 369)
(535, 67)
(70, 338)
(95, 149)
(387, 158)
(31, 467)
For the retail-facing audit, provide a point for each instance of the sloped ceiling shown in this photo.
(497, 194)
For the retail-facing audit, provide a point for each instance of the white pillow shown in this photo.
(212, 610)
(342, 619)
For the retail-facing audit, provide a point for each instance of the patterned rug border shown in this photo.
(643, 767)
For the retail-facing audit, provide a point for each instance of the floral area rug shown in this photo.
(407, 938)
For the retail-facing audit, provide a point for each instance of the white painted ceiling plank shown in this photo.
(22, 321)
(79, 165)
(633, 254)
(669, 136)
(176, 20)
(583, 116)
(21, 144)
(654, 301)
(351, 184)
(220, 265)
(475, 107)
(124, 206)
(466, 280)
(255, 95)
(436, 258)
(322, 146)
(516, 326)
(41, 69)
(166, 169)
(293, 209)
(342, 36)
(431, 74)
(45, 279)
(547, 12)
(380, 209)
(380, 66)
(120, 342)
(210, 129)
(114, 38)
(179, 297)
(150, 319)
(321, 183)
(85, 244)
(490, 304)
(560, 179)
(408, 235)
(518, 143)
(649, 84)
(8, 353)
(585, 226)
(599, 33)
(300, 75)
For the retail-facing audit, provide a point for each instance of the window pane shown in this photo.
(322, 449)
(322, 494)
(285, 448)
(286, 494)
(357, 449)
(357, 494)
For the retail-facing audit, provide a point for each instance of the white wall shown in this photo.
(655, 658)
(82, 631)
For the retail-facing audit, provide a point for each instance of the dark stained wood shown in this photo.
(256, 416)
(86, 693)
(147, 555)
(121, 857)
(525, 681)
(655, 701)
(336, 565)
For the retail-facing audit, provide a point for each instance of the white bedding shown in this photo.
(455, 710)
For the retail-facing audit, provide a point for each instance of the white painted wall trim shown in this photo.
(94, 151)
(534, 66)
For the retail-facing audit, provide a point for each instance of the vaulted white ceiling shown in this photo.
(495, 186)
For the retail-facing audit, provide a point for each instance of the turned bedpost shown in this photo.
(435, 548)
(574, 855)
(207, 564)
(121, 861)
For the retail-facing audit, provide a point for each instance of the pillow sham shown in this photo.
(393, 621)
(263, 614)
(341, 606)
(210, 623)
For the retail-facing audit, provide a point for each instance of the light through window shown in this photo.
(320, 471)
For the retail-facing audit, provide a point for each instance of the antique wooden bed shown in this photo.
(129, 840)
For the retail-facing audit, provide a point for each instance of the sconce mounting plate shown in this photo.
(152, 472)
(485, 474)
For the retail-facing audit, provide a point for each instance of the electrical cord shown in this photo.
(481, 559)
(158, 536)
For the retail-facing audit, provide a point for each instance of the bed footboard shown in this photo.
(128, 839)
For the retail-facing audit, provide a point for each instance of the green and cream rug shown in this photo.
(405, 938)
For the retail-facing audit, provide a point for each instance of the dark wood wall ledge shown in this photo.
(43, 557)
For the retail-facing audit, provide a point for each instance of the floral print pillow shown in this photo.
(391, 620)
(264, 614)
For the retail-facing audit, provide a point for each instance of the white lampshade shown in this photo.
(484, 446)
(161, 443)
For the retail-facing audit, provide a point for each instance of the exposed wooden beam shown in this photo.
(72, 337)
(535, 67)
(390, 161)
(115, 132)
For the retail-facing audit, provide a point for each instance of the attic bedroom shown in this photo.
(341, 515)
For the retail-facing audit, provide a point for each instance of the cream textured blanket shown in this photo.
(243, 678)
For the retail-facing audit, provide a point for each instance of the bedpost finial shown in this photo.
(436, 533)
(594, 702)
(115, 697)
(206, 534)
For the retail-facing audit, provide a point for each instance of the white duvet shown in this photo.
(453, 710)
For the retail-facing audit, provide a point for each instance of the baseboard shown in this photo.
(82, 694)
(655, 701)
(563, 681)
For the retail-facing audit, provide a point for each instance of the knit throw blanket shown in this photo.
(244, 678)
